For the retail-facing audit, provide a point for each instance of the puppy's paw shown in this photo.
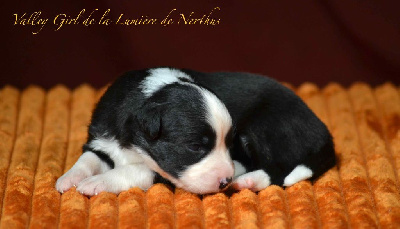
(243, 183)
(71, 178)
(255, 181)
(117, 180)
(94, 185)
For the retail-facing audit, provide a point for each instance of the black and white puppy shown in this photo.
(199, 131)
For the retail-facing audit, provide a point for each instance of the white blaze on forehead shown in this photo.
(218, 117)
(160, 77)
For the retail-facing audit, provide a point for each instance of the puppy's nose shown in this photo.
(223, 183)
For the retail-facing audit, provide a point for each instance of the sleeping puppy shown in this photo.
(200, 132)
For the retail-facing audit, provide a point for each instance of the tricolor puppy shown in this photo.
(201, 132)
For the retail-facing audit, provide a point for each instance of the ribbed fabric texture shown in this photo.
(42, 132)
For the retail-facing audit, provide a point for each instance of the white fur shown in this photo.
(255, 181)
(299, 173)
(218, 117)
(117, 154)
(154, 166)
(204, 176)
(118, 179)
(132, 166)
(91, 175)
(160, 77)
(239, 169)
(88, 164)
(217, 114)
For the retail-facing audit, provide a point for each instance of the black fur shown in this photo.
(168, 125)
(274, 129)
(102, 156)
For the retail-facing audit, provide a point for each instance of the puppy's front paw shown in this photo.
(71, 178)
(117, 180)
(100, 183)
(243, 183)
(255, 181)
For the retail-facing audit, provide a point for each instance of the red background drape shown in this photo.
(296, 41)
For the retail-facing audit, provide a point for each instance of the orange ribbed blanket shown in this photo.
(41, 134)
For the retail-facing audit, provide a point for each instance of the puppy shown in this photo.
(199, 131)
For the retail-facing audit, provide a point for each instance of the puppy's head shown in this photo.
(187, 132)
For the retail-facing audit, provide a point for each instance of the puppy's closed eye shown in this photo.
(200, 146)
(196, 147)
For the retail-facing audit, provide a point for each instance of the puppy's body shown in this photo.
(276, 131)
(169, 122)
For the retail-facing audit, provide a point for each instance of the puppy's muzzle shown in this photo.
(223, 183)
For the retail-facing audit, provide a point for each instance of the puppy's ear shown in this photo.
(149, 119)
